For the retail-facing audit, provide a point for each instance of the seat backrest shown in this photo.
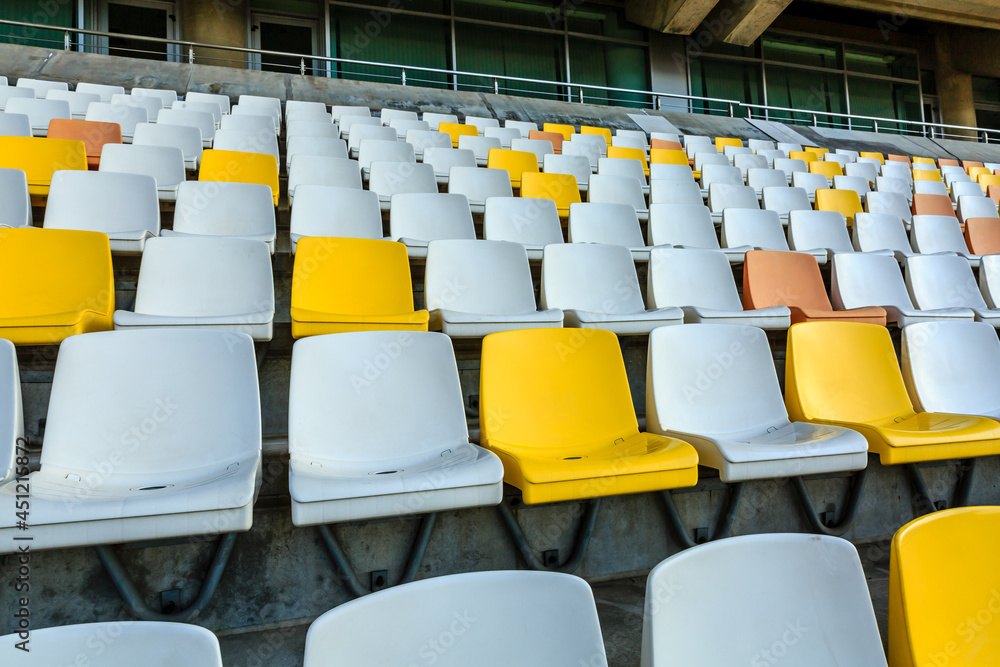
(618, 166)
(187, 138)
(591, 277)
(392, 178)
(703, 159)
(846, 202)
(16, 209)
(936, 188)
(879, 231)
(504, 135)
(845, 372)
(616, 190)
(39, 158)
(817, 604)
(682, 224)
(974, 206)
(310, 128)
(322, 170)
(239, 167)
(388, 115)
(200, 119)
(380, 150)
(691, 277)
(952, 367)
(859, 280)
(478, 184)
(435, 119)
(430, 216)
(897, 170)
(8, 93)
(481, 277)
(982, 235)
(359, 133)
(577, 166)
(249, 123)
(78, 102)
(670, 172)
(514, 162)
(555, 138)
(889, 203)
(790, 166)
(667, 156)
(323, 210)
(126, 115)
(443, 159)
(306, 145)
(720, 173)
(152, 105)
(482, 122)
(675, 192)
(14, 124)
(522, 220)
(269, 105)
(782, 199)
(164, 163)
(103, 202)
(757, 228)
(856, 183)
(40, 112)
(937, 233)
(40, 87)
(772, 278)
(566, 130)
(264, 142)
(864, 170)
(560, 188)
(93, 134)
(340, 111)
(540, 147)
(455, 130)
(758, 178)
(722, 196)
(168, 97)
(586, 145)
(942, 281)
(553, 616)
(924, 204)
(613, 224)
(221, 101)
(224, 209)
(808, 230)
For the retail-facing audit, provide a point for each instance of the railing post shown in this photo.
(496, 87)
(875, 123)
(658, 103)
(302, 66)
(403, 72)
(581, 95)
(191, 54)
(815, 121)
(66, 44)
(731, 114)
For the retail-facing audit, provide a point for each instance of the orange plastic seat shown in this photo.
(969, 164)
(668, 156)
(898, 158)
(792, 279)
(630, 154)
(587, 129)
(665, 144)
(982, 235)
(947, 162)
(924, 204)
(993, 192)
(555, 137)
(828, 169)
(93, 134)
(456, 130)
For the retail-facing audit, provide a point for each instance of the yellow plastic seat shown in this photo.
(668, 156)
(722, 142)
(345, 284)
(845, 202)
(630, 154)
(923, 160)
(39, 158)
(603, 131)
(927, 175)
(975, 173)
(987, 179)
(456, 130)
(846, 374)
(805, 156)
(55, 283)
(560, 188)
(820, 152)
(943, 589)
(873, 156)
(566, 130)
(828, 169)
(240, 167)
(514, 163)
(556, 409)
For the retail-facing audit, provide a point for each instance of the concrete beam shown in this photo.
(979, 13)
(681, 17)
(743, 21)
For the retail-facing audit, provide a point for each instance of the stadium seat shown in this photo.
(784, 200)
(611, 224)
(760, 230)
(389, 179)
(265, 122)
(443, 159)
(864, 170)
(791, 167)
(873, 156)
(576, 166)
(153, 643)
(845, 202)
(722, 196)
(602, 132)
(39, 112)
(555, 138)
(221, 101)
(186, 138)
(793, 279)
(478, 184)
(617, 166)
(403, 126)
(566, 130)
(123, 206)
(93, 134)
(194, 471)
(361, 132)
(417, 218)
(758, 178)
(456, 130)
(637, 154)
(480, 123)
(667, 156)
(828, 169)
(124, 114)
(682, 193)
(231, 210)
(204, 283)
(632, 135)
(946, 281)
(924, 204)
(321, 129)
(164, 163)
(896, 186)
(982, 235)
(321, 170)
(11, 411)
(596, 287)
(259, 142)
(819, 230)
(671, 172)
(846, 374)
(943, 589)
(263, 105)
(168, 97)
(795, 599)
(971, 206)
(855, 183)
(474, 288)
(343, 284)
(701, 283)
(152, 105)
(571, 433)
(963, 188)
(16, 209)
(240, 167)
(935, 188)
(534, 223)
(39, 158)
(889, 203)
(14, 124)
(324, 210)
(939, 233)
(605, 189)
(560, 188)
(504, 135)
(385, 115)
(201, 120)
(515, 163)
(591, 146)
(339, 112)
(480, 147)
(522, 126)
(28, 92)
(435, 119)
(380, 150)
(540, 147)
(552, 615)
(78, 102)
(688, 226)
(861, 280)
(720, 173)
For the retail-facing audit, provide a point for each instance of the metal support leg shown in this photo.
(346, 571)
(922, 501)
(580, 544)
(723, 527)
(133, 599)
(837, 528)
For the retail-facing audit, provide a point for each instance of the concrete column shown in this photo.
(954, 86)
(216, 22)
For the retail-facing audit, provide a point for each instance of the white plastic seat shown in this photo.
(852, 156)
(772, 155)
(722, 196)
(952, 367)
(627, 141)
(588, 148)
(339, 112)
(842, 160)
(369, 438)
(738, 424)
(540, 147)
(820, 230)
(478, 184)
(435, 119)
(939, 233)
(704, 159)
(424, 139)
(534, 223)
(257, 114)
(311, 128)
(759, 229)
(790, 167)
(221, 283)
(929, 188)
(443, 159)
(889, 203)
(788, 147)
(11, 412)
(163, 163)
(323, 210)
(123, 206)
(186, 117)
(745, 161)
(675, 192)
(856, 183)
(418, 218)
(404, 125)
(193, 472)
(306, 145)
(574, 165)
(989, 280)
(262, 142)
(40, 88)
(606, 189)
(359, 133)
(953, 174)
(760, 145)
(78, 102)
(806, 594)
(880, 231)
(868, 279)
(254, 123)
(16, 209)
(475, 288)
(810, 183)
(126, 115)
(522, 126)
(758, 179)
(480, 147)
(388, 115)
(317, 114)
(14, 125)
(965, 188)
(897, 170)
(975, 206)
(505, 135)
(864, 170)
(783, 200)
(350, 123)
(670, 172)
(694, 144)
(688, 226)
(39, 112)
(393, 178)
(152, 105)
(320, 170)
(221, 101)
(8, 93)
(231, 210)
(946, 281)
(116, 643)
(701, 283)
(612, 224)
(720, 173)
(628, 167)
(380, 150)
(596, 287)
(481, 123)
(263, 104)
(896, 186)
(923, 166)
(167, 97)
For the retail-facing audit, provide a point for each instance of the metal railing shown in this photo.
(572, 92)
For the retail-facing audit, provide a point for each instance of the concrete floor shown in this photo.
(619, 605)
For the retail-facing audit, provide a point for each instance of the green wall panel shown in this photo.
(48, 12)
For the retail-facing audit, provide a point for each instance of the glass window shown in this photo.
(513, 12)
(802, 51)
(883, 63)
(613, 65)
(727, 80)
(795, 88)
(511, 52)
(883, 99)
(985, 89)
(987, 119)
(427, 6)
(600, 20)
(33, 11)
(928, 81)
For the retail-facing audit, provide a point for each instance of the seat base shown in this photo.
(471, 325)
(776, 317)
(624, 324)
(396, 504)
(873, 315)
